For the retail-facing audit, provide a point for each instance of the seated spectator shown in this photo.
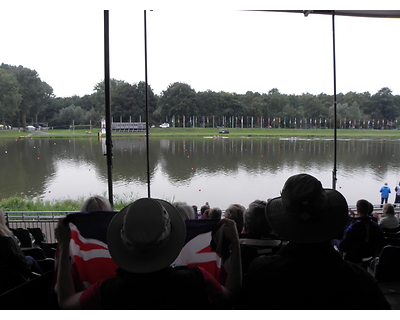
(363, 239)
(255, 240)
(388, 220)
(235, 212)
(185, 210)
(196, 215)
(308, 273)
(15, 268)
(144, 238)
(96, 203)
(215, 213)
(204, 211)
(255, 221)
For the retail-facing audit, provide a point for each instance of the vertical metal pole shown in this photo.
(108, 105)
(147, 107)
(334, 178)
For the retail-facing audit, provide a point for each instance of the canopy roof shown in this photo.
(350, 13)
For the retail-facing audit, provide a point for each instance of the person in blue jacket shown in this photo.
(385, 190)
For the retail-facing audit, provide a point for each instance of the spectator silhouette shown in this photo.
(363, 239)
(195, 211)
(185, 210)
(385, 191)
(308, 273)
(397, 198)
(255, 240)
(96, 203)
(235, 212)
(204, 211)
(144, 238)
(215, 213)
(15, 268)
(388, 221)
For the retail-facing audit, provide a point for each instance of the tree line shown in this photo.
(25, 99)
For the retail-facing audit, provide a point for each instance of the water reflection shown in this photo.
(218, 170)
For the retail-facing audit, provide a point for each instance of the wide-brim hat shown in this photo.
(306, 212)
(146, 236)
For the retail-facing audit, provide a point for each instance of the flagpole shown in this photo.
(334, 178)
(147, 107)
(108, 105)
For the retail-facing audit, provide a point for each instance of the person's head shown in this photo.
(204, 210)
(215, 213)
(255, 221)
(364, 207)
(386, 183)
(195, 210)
(388, 209)
(146, 236)
(235, 212)
(306, 212)
(185, 210)
(96, 203)
(4, 231)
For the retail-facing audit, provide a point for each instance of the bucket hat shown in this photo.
(306, 212)
(146, 236)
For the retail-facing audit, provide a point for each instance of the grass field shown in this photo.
(255, 132)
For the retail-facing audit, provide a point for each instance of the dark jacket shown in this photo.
(309, 277)
(362, 239)
(14, 268)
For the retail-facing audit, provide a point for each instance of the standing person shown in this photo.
(144, 238)
(308, 273)
(397, 199)
(385, 190)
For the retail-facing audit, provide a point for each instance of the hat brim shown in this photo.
(331, 223)
(133, 263)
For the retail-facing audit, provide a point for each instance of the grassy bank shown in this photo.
(199, 132)
(24, 204)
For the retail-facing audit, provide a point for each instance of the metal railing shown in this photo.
(45, 220)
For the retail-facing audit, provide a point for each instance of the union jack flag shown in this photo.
(91, 260)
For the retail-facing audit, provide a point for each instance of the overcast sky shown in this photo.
(208, 47)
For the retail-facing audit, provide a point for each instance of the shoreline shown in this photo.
(212, 132)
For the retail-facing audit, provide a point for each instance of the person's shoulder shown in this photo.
(261, 262)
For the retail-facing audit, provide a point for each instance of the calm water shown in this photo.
(221, 171)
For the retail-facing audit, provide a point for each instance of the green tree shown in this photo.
(98, 96)
(276, 102)
(31, 89)
(123, 101)
(384, 104)
(93, 117)
(179, 99)
(208, 103)
(313, 108)
(9, 96)
(45, 92)
(71, 115)
(140, 108)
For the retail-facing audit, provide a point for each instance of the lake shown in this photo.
(220, 171)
